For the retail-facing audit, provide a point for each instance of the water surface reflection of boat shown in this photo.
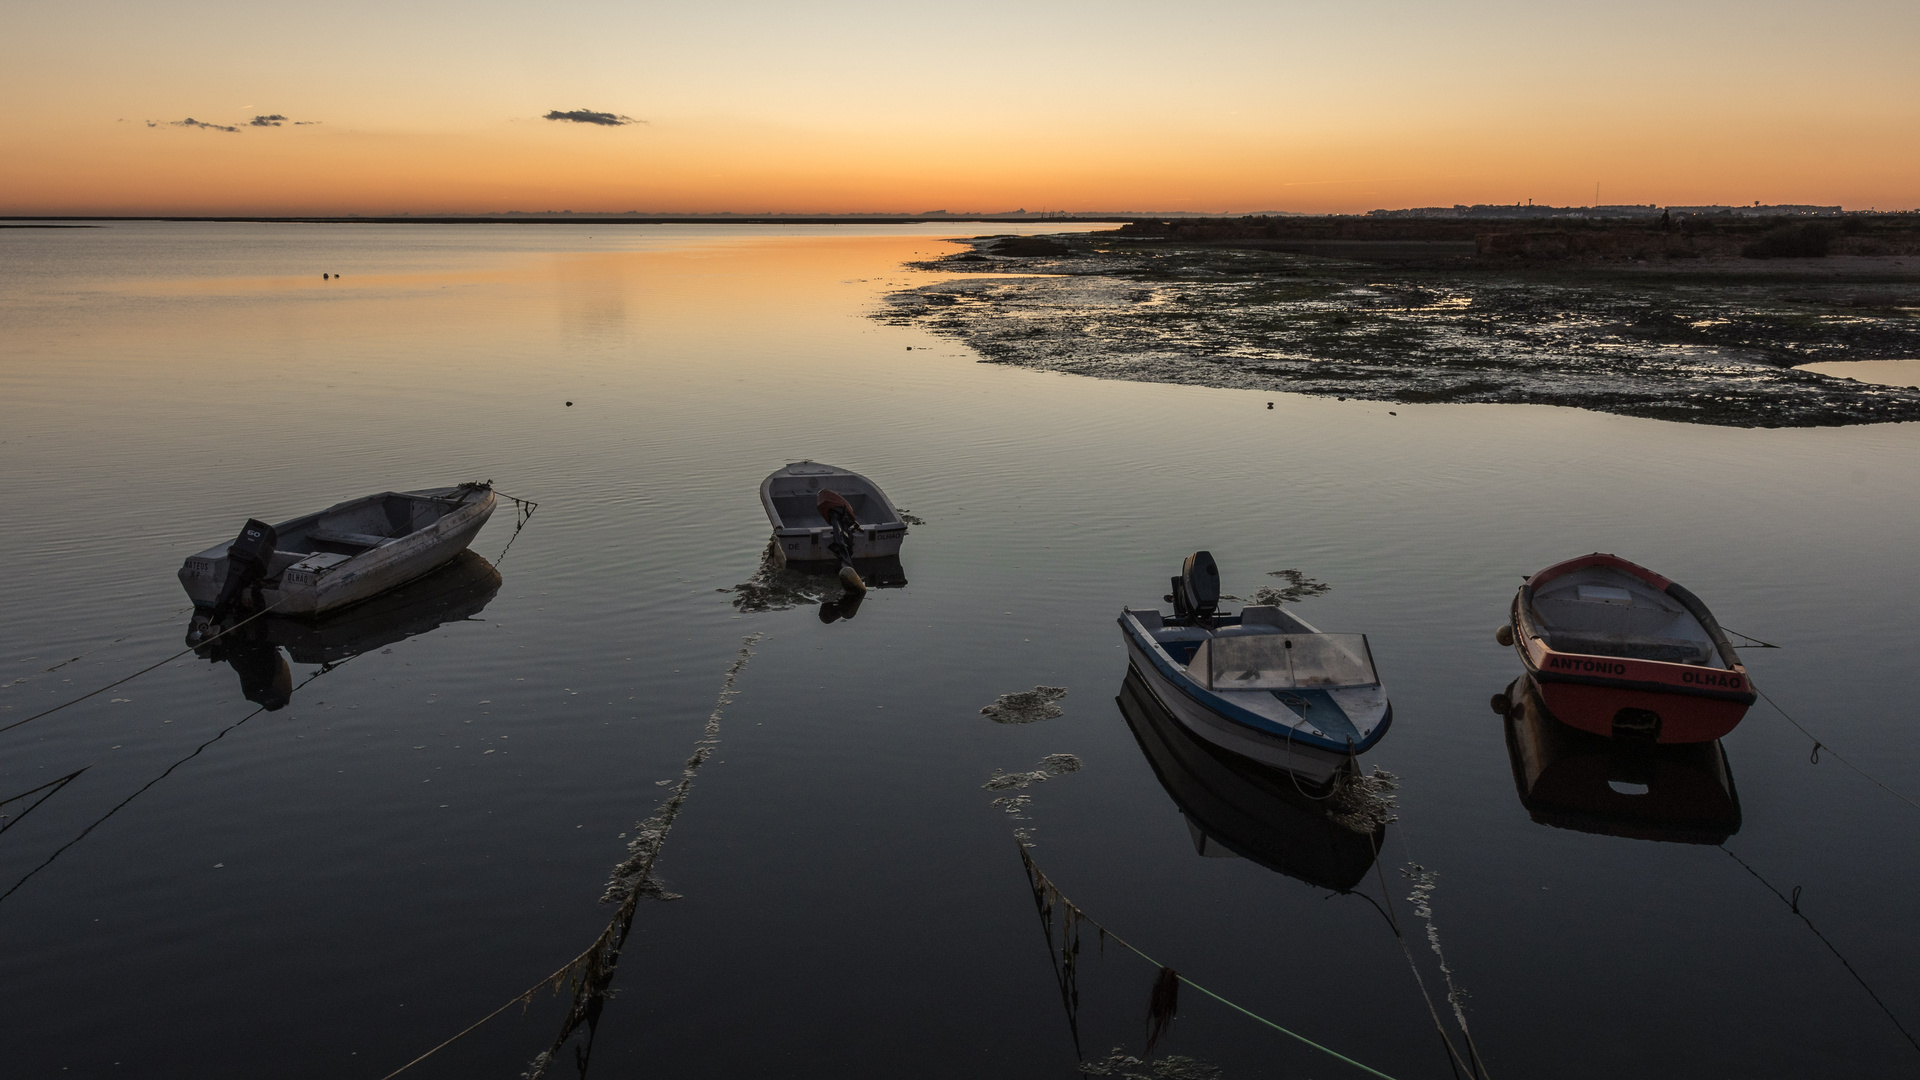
(455, 592)
(1235, 806)
(1572, 779)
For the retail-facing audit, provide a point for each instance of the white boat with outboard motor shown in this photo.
(827, 517)
(1263, 684)
(336, 557)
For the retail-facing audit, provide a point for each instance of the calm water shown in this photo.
(333, 888)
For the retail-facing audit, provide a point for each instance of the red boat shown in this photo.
(1620, 651)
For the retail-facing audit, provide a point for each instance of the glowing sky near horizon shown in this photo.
(856, 105)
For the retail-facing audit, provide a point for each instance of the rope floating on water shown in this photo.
(1045, 889)
(591, 972)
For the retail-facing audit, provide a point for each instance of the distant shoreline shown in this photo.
(581, 219)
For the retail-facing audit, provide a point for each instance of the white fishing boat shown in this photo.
(1262, 684)
(337, 557)
(802, 533)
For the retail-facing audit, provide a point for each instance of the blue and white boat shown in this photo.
(1262, 684)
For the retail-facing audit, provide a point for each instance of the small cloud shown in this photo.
(191, 122)
(305, 123)
(589, 116)
(267, 121)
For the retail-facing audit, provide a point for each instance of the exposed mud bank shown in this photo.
(1713, 344)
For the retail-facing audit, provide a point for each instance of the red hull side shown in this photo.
(1695, 703)
(1683, 718)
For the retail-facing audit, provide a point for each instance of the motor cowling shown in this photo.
(249, 559)
(1197, 590)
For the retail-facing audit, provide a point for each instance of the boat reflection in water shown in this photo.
(1235, 806)
(881, 573)
(1638, 789)
(459, 590)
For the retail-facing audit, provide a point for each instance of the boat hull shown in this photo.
(356, 579)
(1314, 766)
(1233, 805)
(1601, 694)
(801, 536)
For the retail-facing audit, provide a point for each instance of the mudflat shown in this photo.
(1676, 328)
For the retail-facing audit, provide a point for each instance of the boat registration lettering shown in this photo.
(1598, 667)
(1713, 678)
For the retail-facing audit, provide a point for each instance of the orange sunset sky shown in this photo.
(853, 105)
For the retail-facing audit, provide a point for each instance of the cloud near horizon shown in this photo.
(589, 116)
(192, 123)
(267, 121)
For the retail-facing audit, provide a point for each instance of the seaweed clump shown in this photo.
(1026, 706)
(1298, 587)
(774, 587)
(1119, 1063)
(1364, 804)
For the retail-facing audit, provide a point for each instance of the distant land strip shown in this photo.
(587, 219)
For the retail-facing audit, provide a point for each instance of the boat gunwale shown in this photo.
(302, 601)
(894, 523)
(1667, 676)
(1176, 676)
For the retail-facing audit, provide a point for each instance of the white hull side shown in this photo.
(1309, 763)
(365, 575)
(812, 548)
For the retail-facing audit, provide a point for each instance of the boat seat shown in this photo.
(1671, 650)
(349, 539)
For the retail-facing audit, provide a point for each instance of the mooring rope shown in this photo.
(522, 512)
(56, 785)
(1455, 1061)
(143, 788)
(1040, 881)
(591, 972)
(1793, 904)
(92, 693)
(1815, 756)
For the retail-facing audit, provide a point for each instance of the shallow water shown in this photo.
(334, 887)
(1885, 372)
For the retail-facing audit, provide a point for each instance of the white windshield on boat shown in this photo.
(1285, 661)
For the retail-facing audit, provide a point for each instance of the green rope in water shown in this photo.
(1034, 869)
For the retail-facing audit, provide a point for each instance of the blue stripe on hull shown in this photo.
(1257, 726)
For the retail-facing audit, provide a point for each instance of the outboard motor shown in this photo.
(1196, 592)
(249, 559)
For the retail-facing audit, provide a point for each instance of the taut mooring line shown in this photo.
(144, 670)
(56, 785)
(123, 802)
(1793, 904)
